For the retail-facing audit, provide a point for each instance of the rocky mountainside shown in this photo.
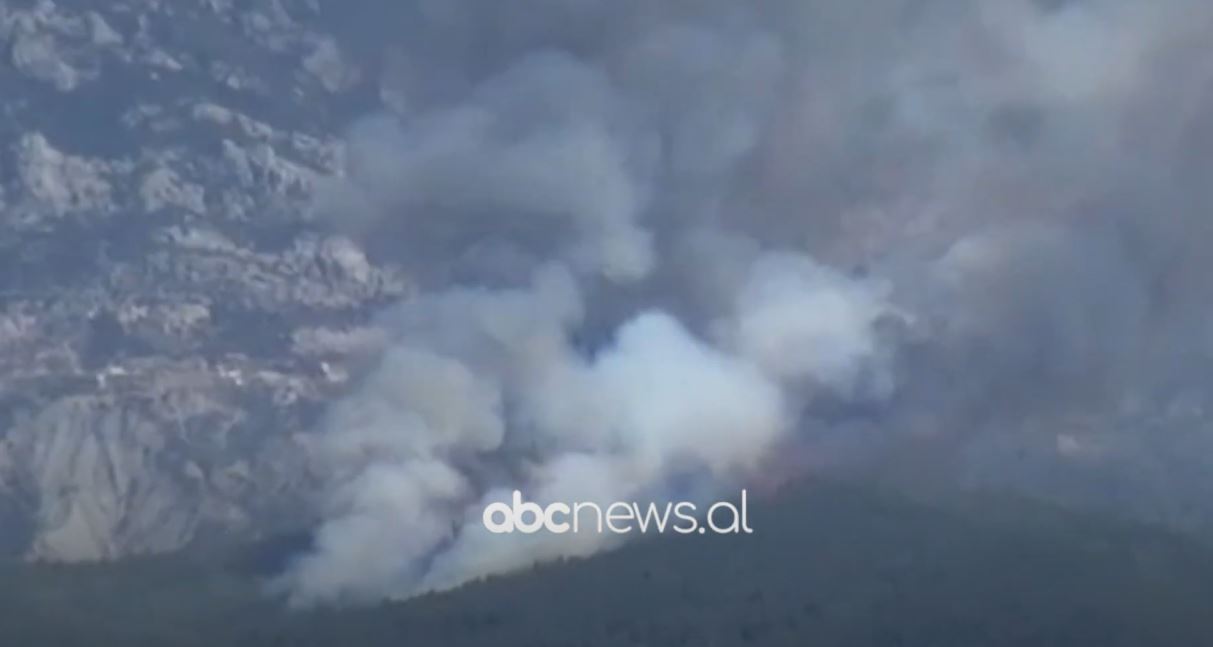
(180, 294)
(170, 315)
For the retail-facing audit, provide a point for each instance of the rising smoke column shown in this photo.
(484, 392)
(651, 239)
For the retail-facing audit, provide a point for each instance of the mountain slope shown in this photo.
(827, 565)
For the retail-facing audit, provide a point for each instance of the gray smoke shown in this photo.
(659, 244)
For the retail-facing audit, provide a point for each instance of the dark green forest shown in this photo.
(828, 565)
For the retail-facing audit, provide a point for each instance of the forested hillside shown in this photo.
(828, 565)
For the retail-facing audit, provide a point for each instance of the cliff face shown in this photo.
(170, 315)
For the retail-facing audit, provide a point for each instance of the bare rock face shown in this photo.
(171, 320)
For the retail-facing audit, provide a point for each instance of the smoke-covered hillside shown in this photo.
(831, 566)
(364, 267)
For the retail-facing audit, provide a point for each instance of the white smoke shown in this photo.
(660, 242)
(801, 320)
(484, 392)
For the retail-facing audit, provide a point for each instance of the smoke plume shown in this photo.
(658, 244)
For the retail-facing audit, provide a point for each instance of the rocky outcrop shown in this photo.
(171, 319)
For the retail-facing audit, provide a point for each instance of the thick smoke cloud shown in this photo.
(661, 244)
